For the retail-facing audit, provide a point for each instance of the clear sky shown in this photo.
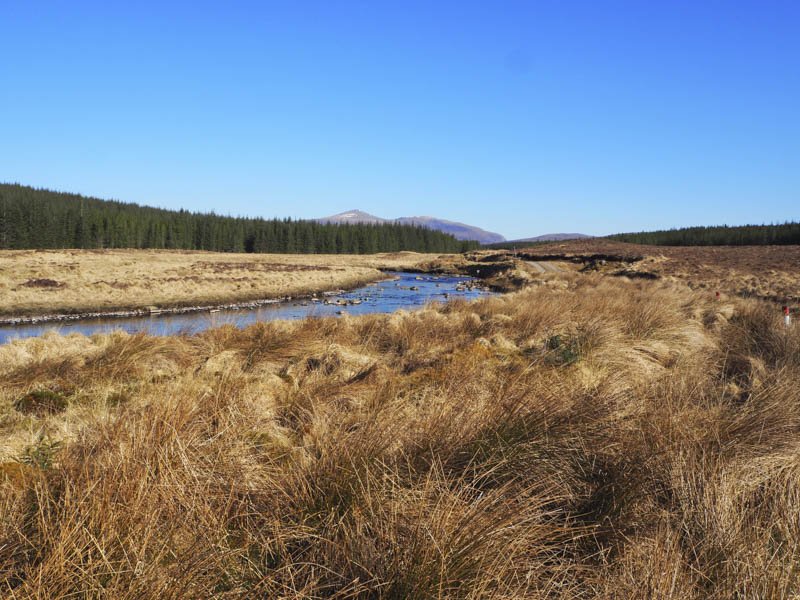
(519, 117)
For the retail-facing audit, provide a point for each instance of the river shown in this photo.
(380, 297)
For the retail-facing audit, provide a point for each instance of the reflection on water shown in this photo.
(382, 297)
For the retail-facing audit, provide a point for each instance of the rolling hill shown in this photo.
(460, 231)
(554, 237)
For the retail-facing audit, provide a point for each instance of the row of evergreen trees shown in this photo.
(720, 235)
(33, 218)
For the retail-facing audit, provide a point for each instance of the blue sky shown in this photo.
(520, 117)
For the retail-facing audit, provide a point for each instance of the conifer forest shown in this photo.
(37, 218)
(719, 235)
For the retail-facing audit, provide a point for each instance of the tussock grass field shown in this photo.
(589, 437)
(74, 281)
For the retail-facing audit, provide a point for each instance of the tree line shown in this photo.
(37, 218)
(719, 235)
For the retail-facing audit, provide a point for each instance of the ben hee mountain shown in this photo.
(460, 231)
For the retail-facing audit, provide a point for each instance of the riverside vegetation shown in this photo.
(587, 437)
(49, 283)
(73, 281)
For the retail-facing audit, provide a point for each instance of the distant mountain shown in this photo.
(460, 231)
(352, 216)
(554, 237)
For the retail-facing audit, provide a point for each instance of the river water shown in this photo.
(380, 297)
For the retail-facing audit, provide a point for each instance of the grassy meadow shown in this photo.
(588, 437)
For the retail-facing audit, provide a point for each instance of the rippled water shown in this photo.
(381, 297)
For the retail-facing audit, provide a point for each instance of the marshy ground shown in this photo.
(41, 282)
(585, 437)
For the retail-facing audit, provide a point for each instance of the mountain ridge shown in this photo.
(460, 231)
(554, 237)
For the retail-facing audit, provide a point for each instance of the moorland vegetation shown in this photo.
(587, 437)
(47, 283)
(767, 272)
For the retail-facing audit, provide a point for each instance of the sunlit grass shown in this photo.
(590, 437)
(71, 281)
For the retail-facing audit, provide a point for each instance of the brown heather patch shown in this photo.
(42, 283)
(588, 437)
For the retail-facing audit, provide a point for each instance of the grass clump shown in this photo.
(561, 351)
(117, 399)
(41, 455)
(41, 402)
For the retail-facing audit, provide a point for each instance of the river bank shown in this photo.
(155, 310)
(38, 286)
(398, 290)
(56, 284)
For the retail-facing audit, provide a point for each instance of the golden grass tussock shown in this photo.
(75, 281)
(588, 438)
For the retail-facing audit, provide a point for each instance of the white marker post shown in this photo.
(786, 316)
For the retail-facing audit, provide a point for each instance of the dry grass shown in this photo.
(73, 281)
(594, 437)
